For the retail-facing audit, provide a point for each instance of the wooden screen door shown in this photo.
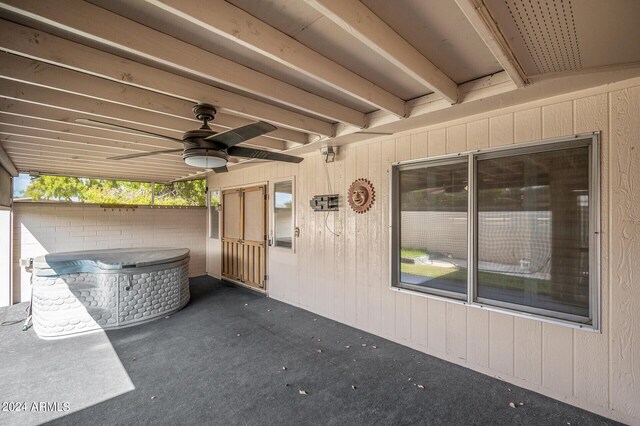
(244, 235)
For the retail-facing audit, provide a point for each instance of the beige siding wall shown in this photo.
(345, 277)
(39, 229)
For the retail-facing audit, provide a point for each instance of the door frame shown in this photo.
(272, 216)
(265, 185)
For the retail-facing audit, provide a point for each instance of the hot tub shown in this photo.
(84, 291)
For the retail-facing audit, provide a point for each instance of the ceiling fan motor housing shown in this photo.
(204, 112)
(201, 153)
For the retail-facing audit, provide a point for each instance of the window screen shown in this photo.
(433, 227)
(512, 228)
(533, 230)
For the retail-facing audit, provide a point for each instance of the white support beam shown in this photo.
(76, 161)
(118, 114)
(39, 73)
(49, 142)
(64, 169)
(359, 21)
(480, 97)
(47, 151)
(73, 144)
(29, 115)
(104, 175)
(199, 175)
(116, 32)
(17, 39)
(90, 108)
(234, 24)
(426, 106)
(481, 20)
(7, 163)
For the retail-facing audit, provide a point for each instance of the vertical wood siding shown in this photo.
(345, 277)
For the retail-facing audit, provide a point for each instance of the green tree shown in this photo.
(101, 191)
(189, 193)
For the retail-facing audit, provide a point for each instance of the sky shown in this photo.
(282, 198)
(20, 183)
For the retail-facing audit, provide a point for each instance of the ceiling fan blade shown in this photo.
(241, 151)
(96, 123)
(144, 154)
(241, 134)
(222, 169)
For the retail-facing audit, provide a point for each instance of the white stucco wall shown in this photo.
(40, 228)
(345, 277)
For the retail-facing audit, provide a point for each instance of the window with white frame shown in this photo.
(283, 214)
(214, 214)
(511, 228)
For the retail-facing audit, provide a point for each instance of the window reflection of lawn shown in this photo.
(409, 253)
(456, 275)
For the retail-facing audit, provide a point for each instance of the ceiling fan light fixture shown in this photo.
(206, 149)
(204, 158)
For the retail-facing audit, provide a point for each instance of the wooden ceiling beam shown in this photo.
(59, 171)
(481, 20)
(116, 32)
(54, 120)
(234, 24)
(18, 39)
(69, 167)
(105, 175)
(27, 131)
(35, 72)
(17, 151)
(42, 148)
(111, 112)
(7, 163)
(359, 21)
(69, 144)
(421, 109)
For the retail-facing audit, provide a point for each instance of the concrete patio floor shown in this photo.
(236, 357)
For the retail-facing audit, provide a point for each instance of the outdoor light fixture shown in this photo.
(329, 153)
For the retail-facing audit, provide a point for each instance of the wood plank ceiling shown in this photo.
(322, 71)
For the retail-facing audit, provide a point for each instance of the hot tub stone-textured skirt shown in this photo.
(80, 302)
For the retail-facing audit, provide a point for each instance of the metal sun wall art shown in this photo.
(361, 195)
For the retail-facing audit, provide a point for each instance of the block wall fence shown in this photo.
(42, 228)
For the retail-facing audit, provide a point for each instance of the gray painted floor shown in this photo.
(220, 361)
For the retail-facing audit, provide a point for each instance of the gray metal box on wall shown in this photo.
(324, 203)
